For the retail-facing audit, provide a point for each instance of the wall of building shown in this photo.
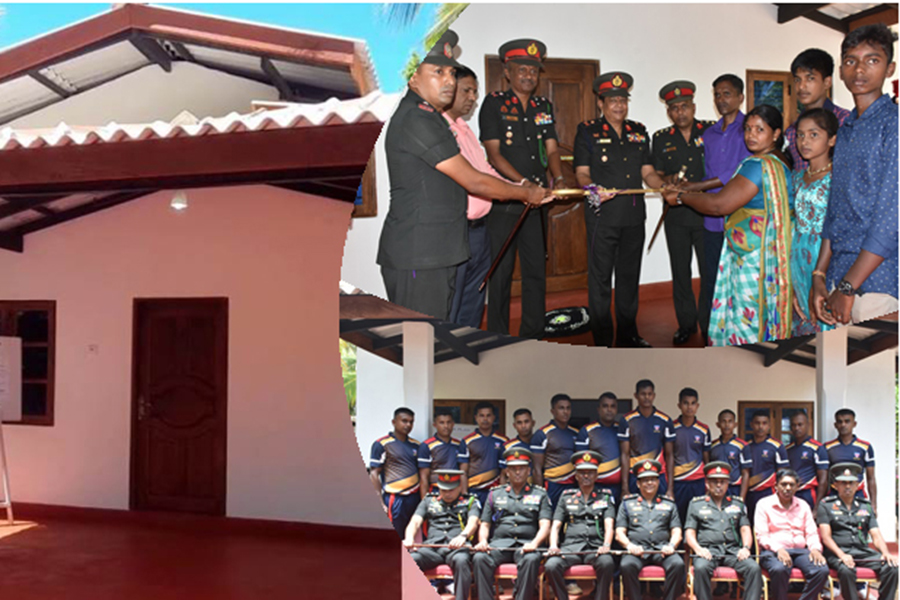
(640, 39)
(272, 253)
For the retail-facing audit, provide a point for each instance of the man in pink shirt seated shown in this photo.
(468, 301)
(788, 537)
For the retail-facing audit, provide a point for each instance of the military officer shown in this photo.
(425, 232)
(452, 518)
(519, 515)
(519, 135)
(648, 523)
(614, 152)
(718, 531)
(586, 516)
(675, 148)
(845, 522)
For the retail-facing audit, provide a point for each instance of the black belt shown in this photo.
(476, 223)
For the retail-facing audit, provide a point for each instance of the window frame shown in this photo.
(49, 306)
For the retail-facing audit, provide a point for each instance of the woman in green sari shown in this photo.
(752, 301)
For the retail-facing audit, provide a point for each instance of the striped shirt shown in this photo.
(691, 441)
(729, 452)
(857, 451)
(557, 444)
(484, 458)
(647, 436)
(434, 454)
(807, 458)
(605, 441)
(397, 460)
(763, 459)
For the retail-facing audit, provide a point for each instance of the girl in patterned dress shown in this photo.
(752, 301)
(816, 134)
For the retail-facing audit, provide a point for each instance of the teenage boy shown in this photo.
(809, 458)
(855, 278)
(691, 451)
(647, 434)
(442, 451)
(728, 448)
(846, 447)
(485, 447)
(761, 459)
(812, 71)
(393, 470)
(552, 446)
(602, 436)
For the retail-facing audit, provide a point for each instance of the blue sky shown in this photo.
(389, 43)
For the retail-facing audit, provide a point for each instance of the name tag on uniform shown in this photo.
(705, 511)
(510, 118)
(533, 499)
(543, 119)
(669, 149)
(665, 507)
(638, 138)
(501, 501)
(604, 141)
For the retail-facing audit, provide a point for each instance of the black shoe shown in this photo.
(722, 588)
(682, 336)
(635, 342)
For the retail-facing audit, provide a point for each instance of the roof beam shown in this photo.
(278, 82)
(877, 343)
(12, 242)
(445, 334)
(16, 205)
(785, 347)
(879, 325)
(81, 211)
(789, 12)
(181, 50)
(830, 22)
(49, 84)
(883, 13)
(152, 51)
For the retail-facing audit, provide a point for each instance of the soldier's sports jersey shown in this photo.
(806, 459)
(399, 467)
(764, 460)
(484, 458)
(434, 454)
(690, 444)
(446, 521)
(557, 445)
(857, 451)
(604, 441)
(583, 518)
(729, 452)
(647, 436)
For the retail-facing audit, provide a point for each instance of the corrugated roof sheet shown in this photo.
(376, 106)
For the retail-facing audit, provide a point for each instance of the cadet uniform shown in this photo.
(718, 530)
(399, 476)
(557, 445)
(425, 233)
(857, 451)
(647, 437)
(436, 454)
(649, 524)
(484, 462)
(583, 519)
(443, 523)
(615, 236)
(690, 444)
(515, 519)
(763, 460)
(850, 528)
(522, 130)
(729, 452)
(684, 225)
(604, 441)
(807, 458)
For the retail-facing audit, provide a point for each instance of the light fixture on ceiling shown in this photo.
(179, 201)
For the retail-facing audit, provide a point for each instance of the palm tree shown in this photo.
(348, 370)
(405, 14)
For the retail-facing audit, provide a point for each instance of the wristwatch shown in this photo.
(845, 288)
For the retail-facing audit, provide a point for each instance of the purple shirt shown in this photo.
(724, 151)
(790, 134)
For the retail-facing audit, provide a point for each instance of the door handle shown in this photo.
(143, 408)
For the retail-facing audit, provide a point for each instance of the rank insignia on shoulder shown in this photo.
(424, 106)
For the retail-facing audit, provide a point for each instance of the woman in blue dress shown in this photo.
(816, 134)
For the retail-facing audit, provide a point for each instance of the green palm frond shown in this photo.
(348, 370)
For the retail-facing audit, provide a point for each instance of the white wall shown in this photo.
(275, 255)
(152, 94)
(655, 43)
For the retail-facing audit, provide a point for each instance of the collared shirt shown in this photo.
(648, 524)
(425, 227)
(763, 459)
(723, 152)
(857, 451)
(474, 153)
(790, 134)
(790, 528)
(850, 525)
(434, 453)
(397, 459)
(729, 452)
(516, 517)
(862, 207)
(807, 458)
(647, 436)
(670, 153)
(557, 445)
(691, 441)
(615, 162)
(605, 441)
(718, 529)
(584, 518)
(484, 459)
(446, 521)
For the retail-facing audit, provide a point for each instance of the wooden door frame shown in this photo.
(223, 303)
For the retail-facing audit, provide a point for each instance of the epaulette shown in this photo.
(666, 499)
(433, 495)
(629, 497)
(495, 94)
(637, 124)
(831, 498)
(697, 498)
(570, 492)
(425, 107)
(738, 498)
(539, 99)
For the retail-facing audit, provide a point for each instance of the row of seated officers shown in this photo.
(516, 522)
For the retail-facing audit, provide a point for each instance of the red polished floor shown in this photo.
(98, 555)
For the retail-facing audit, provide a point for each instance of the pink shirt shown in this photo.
(777, 527)
(474, 153)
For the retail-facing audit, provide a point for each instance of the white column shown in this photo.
(418, 374)
(379, 390)
(831, 380)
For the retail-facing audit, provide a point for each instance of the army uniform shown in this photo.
(683, 225)
(522, 130)
(444, 522)
(649, 524)
(615, 236)
(515, 520)
(425, 233)
(583, 519)
(850, 528)
(719, 531)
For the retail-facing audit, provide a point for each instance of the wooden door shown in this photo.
(179, 405)
(567, 83)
